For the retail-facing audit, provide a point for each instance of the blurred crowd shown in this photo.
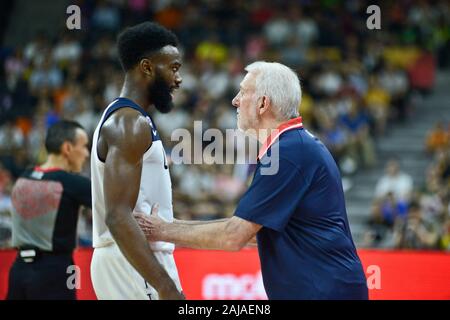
(357, 83)
(408, 217)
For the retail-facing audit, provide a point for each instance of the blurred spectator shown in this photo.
(46, 76)
(378, 101)
(11, 138)
(106, 17)
(104, 49)
(328, 82)
(171, 17)
(435, 204)
(445, 234)
(214, 81)
(442, 167)
(385, 212)
(395, 81)
(390, 208)
(422, 73)
(335, 138)
(394, 181)
(67, 50)
(14, 69)
(361, 147)
(416, 231)
(212, 50)
(277, 30)
(438, 138)
(35, 51)
(305, 27)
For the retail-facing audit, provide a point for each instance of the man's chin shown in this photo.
(241, 129)
(246, 130)
(166, 108)
(241, 126)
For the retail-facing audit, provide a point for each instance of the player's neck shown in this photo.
(56, 161)
(131, 90)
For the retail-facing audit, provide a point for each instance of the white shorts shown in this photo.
(114, 278)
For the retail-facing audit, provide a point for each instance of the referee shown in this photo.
(46, 201)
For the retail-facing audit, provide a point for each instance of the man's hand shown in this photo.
(252, 242)
(152, 226)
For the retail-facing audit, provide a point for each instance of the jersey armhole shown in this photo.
(106, 117)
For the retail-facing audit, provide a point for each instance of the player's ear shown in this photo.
(146, 67)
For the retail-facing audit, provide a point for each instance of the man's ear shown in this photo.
(264, 104)
(66, 148)
(146, 67)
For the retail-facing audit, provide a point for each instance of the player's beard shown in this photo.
(160, 95)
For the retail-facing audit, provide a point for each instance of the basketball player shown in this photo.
(130, 172)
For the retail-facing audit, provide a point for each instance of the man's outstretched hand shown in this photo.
(152, 226)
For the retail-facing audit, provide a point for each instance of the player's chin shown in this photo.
(166, 107)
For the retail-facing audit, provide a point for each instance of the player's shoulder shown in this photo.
(127, 130)
(126, 123)
(126, 116)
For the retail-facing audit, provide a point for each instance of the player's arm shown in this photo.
(230, 234)
(127, 137)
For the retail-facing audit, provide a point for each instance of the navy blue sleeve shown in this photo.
(272, 199)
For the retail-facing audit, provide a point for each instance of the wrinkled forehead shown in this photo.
(249, 81)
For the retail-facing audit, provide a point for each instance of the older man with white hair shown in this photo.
(297, 212)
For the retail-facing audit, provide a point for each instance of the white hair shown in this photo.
(281, 84)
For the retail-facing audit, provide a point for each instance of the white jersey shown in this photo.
(155, 187)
